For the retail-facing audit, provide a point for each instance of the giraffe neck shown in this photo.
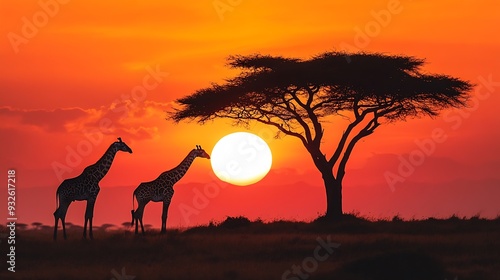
(104, 163)
(178, 172)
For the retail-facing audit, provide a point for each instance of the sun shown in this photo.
(241, 158)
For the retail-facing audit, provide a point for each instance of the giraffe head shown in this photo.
(121, 146)
(199, 152)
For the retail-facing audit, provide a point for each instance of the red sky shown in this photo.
(66, 67)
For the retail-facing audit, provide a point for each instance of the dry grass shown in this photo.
(238, 249)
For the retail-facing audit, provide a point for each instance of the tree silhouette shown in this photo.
(126, 224)
(36, 225)
(296, 96)
(21, 226)
(105, 227)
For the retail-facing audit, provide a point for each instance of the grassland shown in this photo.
(238, 249)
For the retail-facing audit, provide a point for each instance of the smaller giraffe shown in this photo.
(85, 187)
(161, 189)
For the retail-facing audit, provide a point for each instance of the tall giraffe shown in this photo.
(161, 189)
(85, 187)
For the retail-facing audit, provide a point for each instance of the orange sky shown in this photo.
(67, 66)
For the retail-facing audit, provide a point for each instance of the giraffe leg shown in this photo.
(90, 229)
(166, 204)
(85, 228)
(141, 214)
(136, 226)
(89, 213)
(63, 223)
(142, 227)
(55, 226)
(137, 216)
(60, 213)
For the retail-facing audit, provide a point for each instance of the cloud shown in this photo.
(128, 119)
(139, 120)
(47, 120)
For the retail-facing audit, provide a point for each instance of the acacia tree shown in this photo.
(295, 96)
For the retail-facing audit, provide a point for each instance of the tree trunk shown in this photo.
(333, 196)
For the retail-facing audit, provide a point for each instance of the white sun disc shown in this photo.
(241, 158)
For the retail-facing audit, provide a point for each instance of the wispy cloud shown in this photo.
(121, 117)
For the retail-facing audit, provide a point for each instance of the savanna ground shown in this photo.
(451, 249)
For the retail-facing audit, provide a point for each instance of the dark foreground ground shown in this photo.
(454, 249)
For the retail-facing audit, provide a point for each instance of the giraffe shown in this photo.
(161, 189)
(85, 187)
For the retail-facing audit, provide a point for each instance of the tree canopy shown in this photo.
(285, 91)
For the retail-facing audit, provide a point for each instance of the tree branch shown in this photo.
(343, 140)
(318, 130)
(282, 129)
(367, 130)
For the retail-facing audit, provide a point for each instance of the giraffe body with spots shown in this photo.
(85, 187)
(162, 189)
